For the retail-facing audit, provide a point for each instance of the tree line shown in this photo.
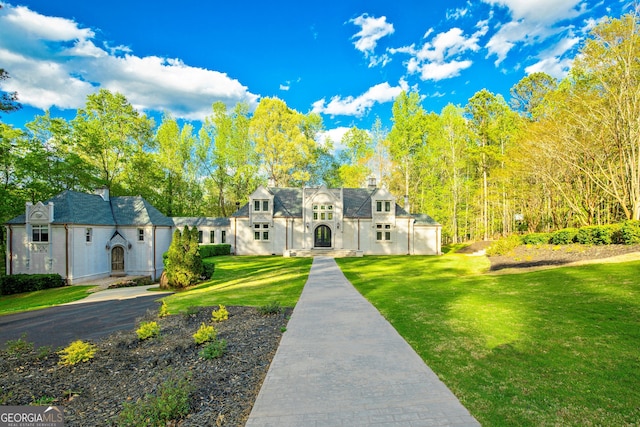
(559, 153)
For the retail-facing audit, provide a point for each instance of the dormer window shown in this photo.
(383, 206)
(260, 205)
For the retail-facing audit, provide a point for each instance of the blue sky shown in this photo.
(346, 60)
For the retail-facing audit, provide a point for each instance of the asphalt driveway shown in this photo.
(85, 320)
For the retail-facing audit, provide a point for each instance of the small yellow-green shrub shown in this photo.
(78, 351)
(220, 314)
(148, 330)
(163, 311)
(205, 333)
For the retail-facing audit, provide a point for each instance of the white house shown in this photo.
(85, 237)
(339, 221)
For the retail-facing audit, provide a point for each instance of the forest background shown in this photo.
(558, 153)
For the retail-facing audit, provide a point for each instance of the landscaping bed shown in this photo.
(125, 369)
(528, 256)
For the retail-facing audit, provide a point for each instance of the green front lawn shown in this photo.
(247, 280)
(552, 347)
(41, 299)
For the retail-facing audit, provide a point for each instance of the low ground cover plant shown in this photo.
(204, 334)
(213, 349)
(169, 403)
(220, 315)
(148, 330)
(76, 352)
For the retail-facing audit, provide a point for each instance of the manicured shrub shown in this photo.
(220, 314)
(78, 351)
(208, 269)
(19, 283)
(213, 350)
(628, 233)
(565, 236)
(204, 334)
(536, 238)
(504, 246)
(183, 263)
(596, 234)
(207, 251)
(163, 311)
(148, 330)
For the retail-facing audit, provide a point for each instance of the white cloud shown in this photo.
(531, 23)
(358, 106)
(54, 62)
(335, 136)
(371, 30)
(554, 66)
(285, 87)
(440, 58)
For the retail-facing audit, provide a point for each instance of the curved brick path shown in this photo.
(340, 363)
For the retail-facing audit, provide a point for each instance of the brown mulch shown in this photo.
(126, 369)
(530, 256)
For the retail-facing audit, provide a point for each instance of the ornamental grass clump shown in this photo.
(78, 351)
(220, 314)
(148, 330)
(204, 334)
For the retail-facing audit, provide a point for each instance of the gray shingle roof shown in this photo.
(74, 207)
(181, 221)
(424, 219)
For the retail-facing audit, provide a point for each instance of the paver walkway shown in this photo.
(340, 363)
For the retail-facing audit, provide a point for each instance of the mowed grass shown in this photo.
(247, 280)
(41, 299)
(552, 347)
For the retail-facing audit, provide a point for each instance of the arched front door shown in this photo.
(322, 237)
(117, 260)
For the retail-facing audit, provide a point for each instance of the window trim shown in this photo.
(384, 233)
(37, 230)
(261, 232)
(212, 236)
(88, 234)
(140, 234)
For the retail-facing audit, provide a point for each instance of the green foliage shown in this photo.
(597, 234)
(43, 401)
(207, 251)
(163, 311)
(565, 236)
(183, 264)
(204, 334)
(76, 352)
(171, 402)
(536, 238)
(504, 246)
(208, 268)
(213, 350)
(220, 314)
(628, 234)
(19, 283)
(270, 308)
(19, 346)
(148, 330)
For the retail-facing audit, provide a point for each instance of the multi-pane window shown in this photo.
(212, 236)
(383, 232)
(261, 205)
(39, 233)
(140, 234)
(199, 236)
(223, 236)
(322, 212)
(88, 234)
(383, 206)
(261, 231)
